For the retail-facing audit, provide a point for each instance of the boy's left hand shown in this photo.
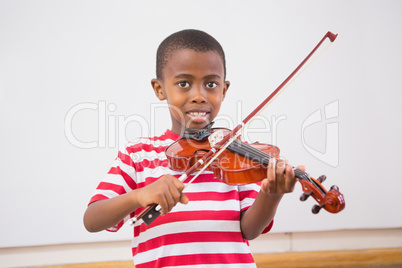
(280, 178)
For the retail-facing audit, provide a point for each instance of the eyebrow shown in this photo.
(192, 76)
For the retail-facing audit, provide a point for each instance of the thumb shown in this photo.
(265, 186)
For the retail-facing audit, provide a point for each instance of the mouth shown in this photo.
(198, 116)
(197, 113)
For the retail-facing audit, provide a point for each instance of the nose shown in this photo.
(198, 94)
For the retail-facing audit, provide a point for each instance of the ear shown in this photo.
(225, 88)
(158, 89)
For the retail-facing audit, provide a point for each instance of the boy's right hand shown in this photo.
(165, 192)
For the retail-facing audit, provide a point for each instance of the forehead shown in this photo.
(187, 61)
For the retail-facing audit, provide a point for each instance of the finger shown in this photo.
(281, 164)
(164, 198)
(178, 184)
(163, 204)
(280, 176)
(271, 169)
(290, 179)
(173, 196)
(183, 199)
(289, 170)
(176, 189)
(302, 168)
(171, 201)
(280, 167)
(271, 176)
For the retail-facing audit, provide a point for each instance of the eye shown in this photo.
(211, 85)
(183, 84)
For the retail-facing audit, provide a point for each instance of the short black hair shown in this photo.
(196, 40)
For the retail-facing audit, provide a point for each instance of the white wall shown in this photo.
(58, 57)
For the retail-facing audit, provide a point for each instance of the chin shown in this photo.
(198, 125)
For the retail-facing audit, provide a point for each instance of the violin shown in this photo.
(242, 163)
(255, 156)
(239, 164)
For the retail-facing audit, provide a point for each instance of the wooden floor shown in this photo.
(373, 258)
(330, 259)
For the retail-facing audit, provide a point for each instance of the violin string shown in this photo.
(253, 153)
(256, 155)
(216, 154)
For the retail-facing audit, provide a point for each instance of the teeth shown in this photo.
(198, 114)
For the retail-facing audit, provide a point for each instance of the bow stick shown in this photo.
(152, 211)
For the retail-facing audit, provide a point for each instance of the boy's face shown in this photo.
(193, 85)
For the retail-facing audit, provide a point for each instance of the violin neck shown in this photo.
(250, 152)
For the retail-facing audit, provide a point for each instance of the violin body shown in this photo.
(231, 168)
(236, 169)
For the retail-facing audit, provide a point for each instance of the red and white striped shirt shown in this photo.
(205, 232)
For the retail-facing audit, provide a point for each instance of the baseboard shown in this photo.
(316, 259)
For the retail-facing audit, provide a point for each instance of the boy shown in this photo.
(210, 223)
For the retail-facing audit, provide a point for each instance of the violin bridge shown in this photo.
(215, 137)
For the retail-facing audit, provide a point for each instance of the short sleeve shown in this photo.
(247, 195)
(120, 179)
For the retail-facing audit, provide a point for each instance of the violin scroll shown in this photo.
(332, 200)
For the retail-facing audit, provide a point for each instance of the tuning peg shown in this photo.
(334, 187)
(317, 208)
(322, 178)
(304, 196)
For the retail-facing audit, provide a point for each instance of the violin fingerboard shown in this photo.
(248, 151)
